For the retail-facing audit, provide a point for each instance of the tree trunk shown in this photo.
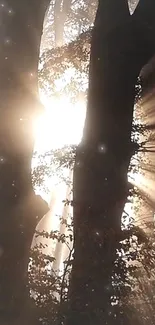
(61, 9)
(22, 24)
(121, 45)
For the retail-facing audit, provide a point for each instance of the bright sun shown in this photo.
(60, 125)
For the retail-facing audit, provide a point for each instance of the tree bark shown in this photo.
(20, 209)
(121, 45)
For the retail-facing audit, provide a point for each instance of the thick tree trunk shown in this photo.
(22, 24)
(121, 45)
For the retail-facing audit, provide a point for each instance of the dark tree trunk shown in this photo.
(121, 45)
(21, 30)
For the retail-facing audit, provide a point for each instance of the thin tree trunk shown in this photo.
(20, 209)
(61, 9)
(121, 45)
(61, 251)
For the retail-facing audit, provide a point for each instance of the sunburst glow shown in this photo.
(60, 125)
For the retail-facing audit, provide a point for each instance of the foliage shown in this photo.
(52, 164)
(141, 299)
(134, 261)
(64, 71)
(48, 287)
(79, 17)
(133, 266)
(69, 62)
(43, 285)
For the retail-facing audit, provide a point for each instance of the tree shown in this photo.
(18, 85)
(133, 265)
(75, 17)
(20, 208)
(121, 45)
